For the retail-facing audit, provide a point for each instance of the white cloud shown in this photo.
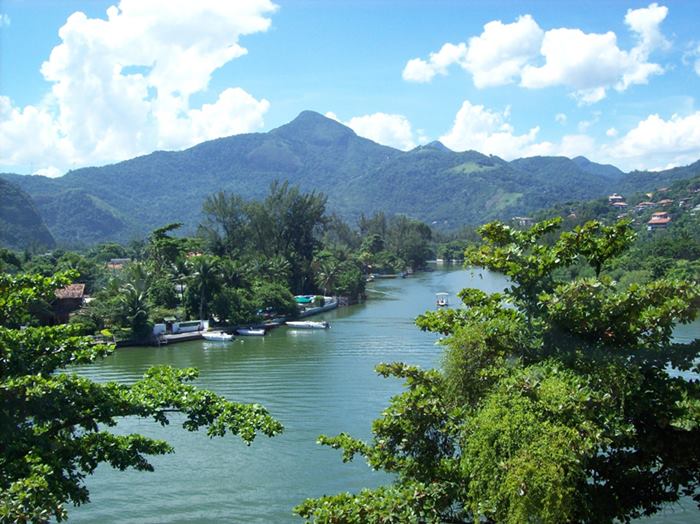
(4, 20)
(387, 129)
(611, 132)
(658, 142)
(121, 86)
(51, 172)
(589, 64)
(560, 118)
(592, 63)
(497, 56)
(692, 56)
(418, 70)
(575, 145)
(493, 58)
(585, 125)
(645, 22)
(479, 128)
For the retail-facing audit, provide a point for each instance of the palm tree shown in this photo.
(204, 280)
(327, 273)
(133, 298)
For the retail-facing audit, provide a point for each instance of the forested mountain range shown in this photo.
(21, 226)
(430, 183)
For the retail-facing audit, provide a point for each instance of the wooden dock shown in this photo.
(171, 338)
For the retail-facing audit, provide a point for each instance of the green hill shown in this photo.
(430, 183)
(21, 226)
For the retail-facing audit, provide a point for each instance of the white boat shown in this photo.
(218, 336)
(308, 324)
(250, 332)
(441, 299)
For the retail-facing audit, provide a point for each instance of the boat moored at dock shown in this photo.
(251, 332)
(308, 324)
(217, 336)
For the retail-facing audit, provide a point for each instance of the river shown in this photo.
(315, 382)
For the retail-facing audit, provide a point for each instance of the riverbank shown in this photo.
(329, 304)
(315, 381)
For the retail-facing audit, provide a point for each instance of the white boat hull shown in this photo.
(250, 332)
(217, 336)
(308, 324)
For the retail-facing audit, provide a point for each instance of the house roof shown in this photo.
(72, 291)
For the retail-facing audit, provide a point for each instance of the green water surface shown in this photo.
(315, 382)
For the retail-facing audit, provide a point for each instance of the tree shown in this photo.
(133, 301)
(225, 224)
(204, 281)
(326, 269)
(163, 250)
(554, 403)
(288, 224)
(53, 428)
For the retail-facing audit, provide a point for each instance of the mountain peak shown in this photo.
(314, 127)
(595, 168)
(436, 144)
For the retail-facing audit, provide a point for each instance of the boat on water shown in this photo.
(217, 336)
(441, 299)
(251, 332)
(308, 324)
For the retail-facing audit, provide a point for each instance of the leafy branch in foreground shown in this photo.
(52, 428)
(554, 402)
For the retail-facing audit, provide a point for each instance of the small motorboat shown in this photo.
(251, 332)
(217, 336)
(442, 299)
(308, 324)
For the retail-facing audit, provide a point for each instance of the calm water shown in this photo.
(315, 382)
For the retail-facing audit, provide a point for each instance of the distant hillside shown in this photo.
(650, 180)
(79, 218)
(20, 223)
(430, 183)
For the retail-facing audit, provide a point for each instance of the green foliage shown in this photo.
(133, 301)
(275, 297)
(554, 404)
(54, 424)
(225, 224)
(670, 253)
(359, 176)
(21, 226)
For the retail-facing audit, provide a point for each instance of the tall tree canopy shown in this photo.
(53, 424)
(555, 402)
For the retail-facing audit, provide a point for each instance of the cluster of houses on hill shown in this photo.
(659, 219)
(662, 209)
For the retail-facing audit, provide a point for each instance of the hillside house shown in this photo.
(658, 220)
(665, 202)
(644, 205)
(615, 199)
(68, 299)
(117, 264)
(524, 221)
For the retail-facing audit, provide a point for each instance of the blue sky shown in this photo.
(614, 81)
